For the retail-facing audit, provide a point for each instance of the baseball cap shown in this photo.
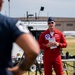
(50, 19)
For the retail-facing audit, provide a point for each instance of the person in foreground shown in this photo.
(51, 41)
(12, 30)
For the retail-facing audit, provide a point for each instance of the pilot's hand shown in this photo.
(16, 70)
(48, 45)
(54, 43)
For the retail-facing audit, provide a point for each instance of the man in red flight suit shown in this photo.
(51, 41)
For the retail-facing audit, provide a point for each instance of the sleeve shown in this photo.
(63, 43)
(41, 42)
(17, 28)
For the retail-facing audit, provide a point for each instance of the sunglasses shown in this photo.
(50, 22)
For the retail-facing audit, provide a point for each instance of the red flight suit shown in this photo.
(52, 57)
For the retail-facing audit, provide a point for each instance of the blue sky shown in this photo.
(55, 8)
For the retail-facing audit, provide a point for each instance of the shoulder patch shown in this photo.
(22, 27)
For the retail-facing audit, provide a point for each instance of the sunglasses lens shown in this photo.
(48, 23)
(51, 23)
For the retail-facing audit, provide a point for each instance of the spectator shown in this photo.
(12, 30)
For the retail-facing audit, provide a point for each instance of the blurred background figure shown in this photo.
(13, 30)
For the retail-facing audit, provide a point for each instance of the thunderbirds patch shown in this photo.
(22, 27)
(47, 36)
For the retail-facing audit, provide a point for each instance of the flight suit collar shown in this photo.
(55, 31)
